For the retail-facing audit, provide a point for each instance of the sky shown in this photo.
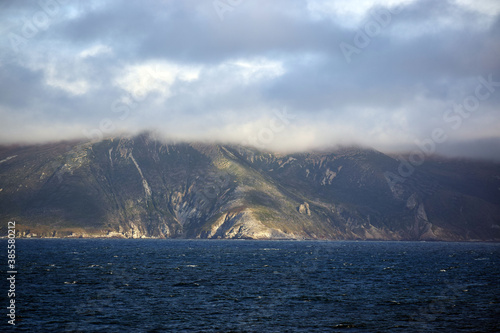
(286, 75)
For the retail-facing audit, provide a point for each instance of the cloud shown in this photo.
(97, 68)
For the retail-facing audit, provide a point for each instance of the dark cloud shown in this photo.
(176, 67)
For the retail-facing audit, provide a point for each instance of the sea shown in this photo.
(152, 285)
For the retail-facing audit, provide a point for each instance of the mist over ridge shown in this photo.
(381, 73)
(138, 186)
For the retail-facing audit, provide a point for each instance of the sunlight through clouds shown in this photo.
(349, 13)
(140, 80)
(362, 72)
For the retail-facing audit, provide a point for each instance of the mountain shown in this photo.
(140, 187)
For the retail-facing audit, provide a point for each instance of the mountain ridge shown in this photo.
(140, 187)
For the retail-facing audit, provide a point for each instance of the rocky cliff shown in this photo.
(140, 187)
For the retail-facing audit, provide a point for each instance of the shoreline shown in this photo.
(261, 239)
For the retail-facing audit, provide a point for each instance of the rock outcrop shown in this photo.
(140, 187)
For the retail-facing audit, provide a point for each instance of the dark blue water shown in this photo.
(254, 286)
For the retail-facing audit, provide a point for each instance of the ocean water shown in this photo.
(93, 285)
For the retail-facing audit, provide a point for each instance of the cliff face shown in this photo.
(139, 187)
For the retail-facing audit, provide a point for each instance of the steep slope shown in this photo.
(442, 199)
(140, 187)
